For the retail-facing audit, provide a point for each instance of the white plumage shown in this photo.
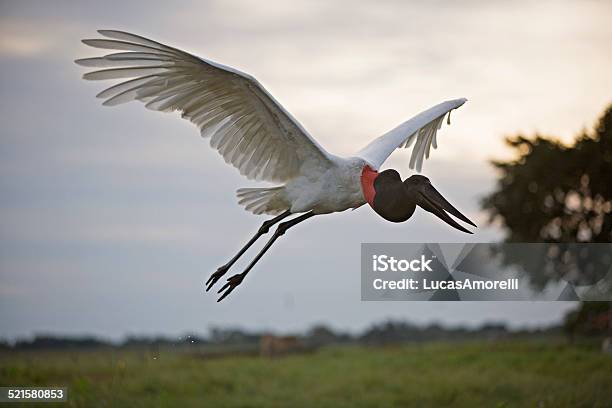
(243, 121)
(422, 128)
(248, 127)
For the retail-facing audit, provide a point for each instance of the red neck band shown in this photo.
(368, 175)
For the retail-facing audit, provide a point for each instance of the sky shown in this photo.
(111, 219)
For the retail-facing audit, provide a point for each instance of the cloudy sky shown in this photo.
(111, 218)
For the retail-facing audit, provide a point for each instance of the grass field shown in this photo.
(477, 374)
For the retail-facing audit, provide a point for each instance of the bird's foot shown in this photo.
(230, 285)
(218, 274)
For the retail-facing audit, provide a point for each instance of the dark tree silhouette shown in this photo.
(556, 193)
(561, 194)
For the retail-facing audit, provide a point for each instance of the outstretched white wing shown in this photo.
(422, 128)
(245, 124)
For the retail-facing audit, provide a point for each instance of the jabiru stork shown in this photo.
(255, 134)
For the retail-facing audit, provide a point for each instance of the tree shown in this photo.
(556, 193)
(560, 194)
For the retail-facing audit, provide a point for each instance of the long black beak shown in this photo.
(431, 200)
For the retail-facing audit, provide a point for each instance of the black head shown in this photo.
(391, 200)
(396, 201)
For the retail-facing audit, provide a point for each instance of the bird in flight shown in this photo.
(255, 134)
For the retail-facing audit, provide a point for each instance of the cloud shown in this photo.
(21, 46)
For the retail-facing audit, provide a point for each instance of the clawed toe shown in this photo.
(230, 285)
(214, 278)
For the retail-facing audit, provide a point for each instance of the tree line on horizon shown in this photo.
(388, 332)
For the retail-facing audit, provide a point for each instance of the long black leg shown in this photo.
(265, 227)
(235, 280)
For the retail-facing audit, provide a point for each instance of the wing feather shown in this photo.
(248, 127)
(420, 130)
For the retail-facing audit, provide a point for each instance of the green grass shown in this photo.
(501, 374)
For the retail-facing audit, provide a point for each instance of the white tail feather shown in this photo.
(263, 200)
